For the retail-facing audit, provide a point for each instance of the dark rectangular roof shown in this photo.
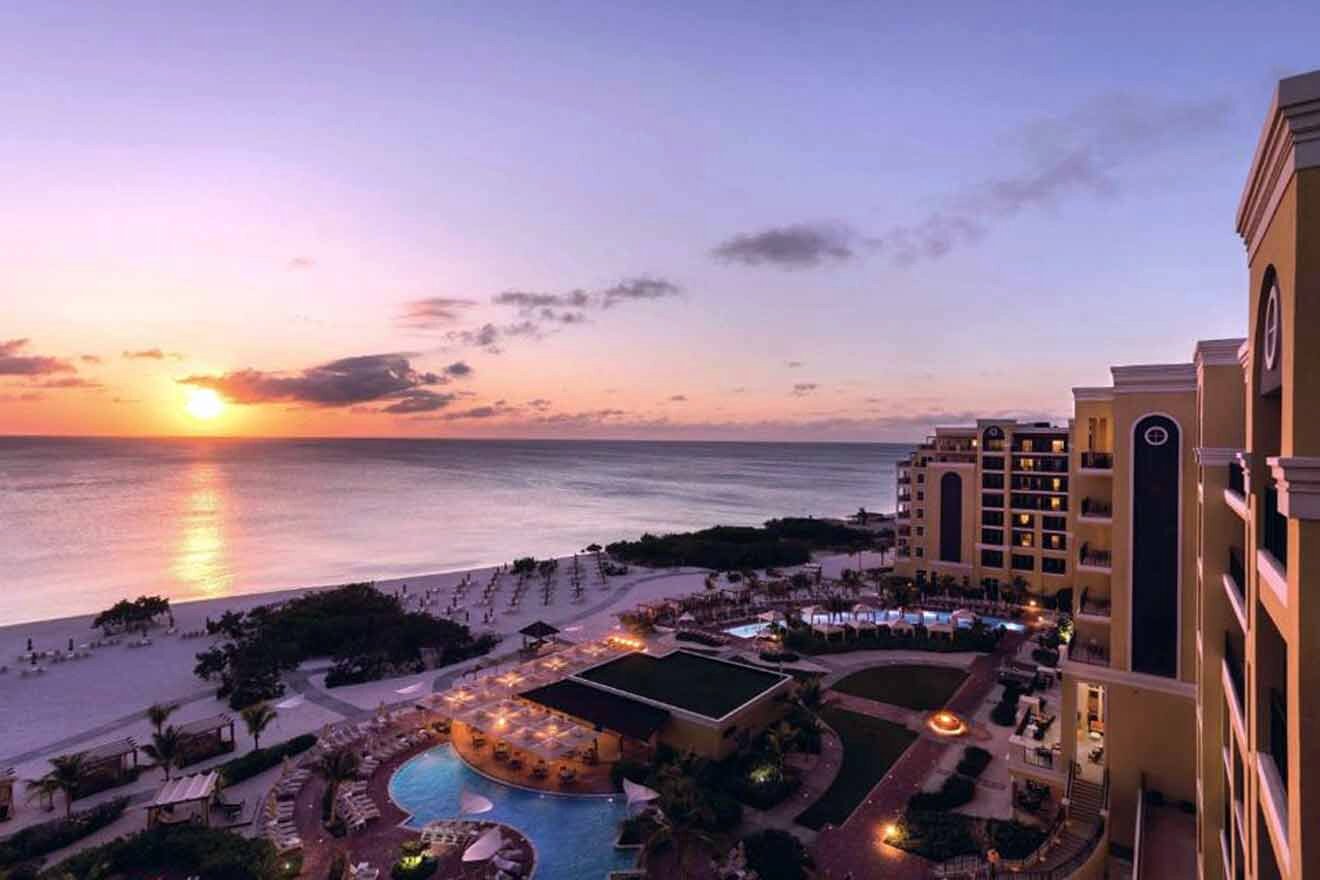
(605, 710)
(703, 685)
(538, 630)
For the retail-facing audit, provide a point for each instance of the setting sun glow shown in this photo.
(204, 404)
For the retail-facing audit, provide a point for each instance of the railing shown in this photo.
(1023, 483)
(1275, 530)
(1045, 503)
(903, 481)
(904, 514)
(1238, 573)
(1099, 461)
(1097, 607)
(1237, 478)
(904, 496)
(1091, 653)
(1038, 756)
(1094, 507)
(1091, 556)
(1039, 466)
(1233, 663)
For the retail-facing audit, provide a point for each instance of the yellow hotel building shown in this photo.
(1179, 511)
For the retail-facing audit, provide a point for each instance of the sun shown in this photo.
(204, 404)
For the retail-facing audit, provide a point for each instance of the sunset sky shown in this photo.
(706, 220)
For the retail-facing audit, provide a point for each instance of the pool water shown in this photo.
(573, 836)
(752, 630)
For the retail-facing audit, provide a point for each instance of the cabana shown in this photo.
(826, 629)
(187, 799)
(858, 623)
(205, 738)
(536, 634)
(107, 765)
(7, 780)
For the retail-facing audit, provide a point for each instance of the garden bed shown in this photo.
(870, 748)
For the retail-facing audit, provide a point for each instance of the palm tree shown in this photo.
(164, 749)
(159, 713)
(336, 768)
(63, 778)
(680, 825)
(257, 718)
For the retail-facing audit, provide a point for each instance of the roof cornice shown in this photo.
(1289, 142)
(1217, 352)
(1154, 378)
(1093, 393)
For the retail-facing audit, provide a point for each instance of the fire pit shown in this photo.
(946, 723)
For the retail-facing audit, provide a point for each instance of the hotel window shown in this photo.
(921, 496)
(1054, 565)
(992, 463)
(1024, 539)
(920, 552)
(1058, 484)
(1023, 563)
(1026, 464)
(1058, 445)
(992, 517)
(992, 559)
(921, 513)
(992, 481)
(992, 536)
(921, 478)
(1054, 542)
(1054, 524)
(921, 531)
(1024, 520)
(1027, 446)
(992, 499)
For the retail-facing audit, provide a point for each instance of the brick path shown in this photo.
(855, 848)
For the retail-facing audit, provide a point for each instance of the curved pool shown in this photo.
(573, 836)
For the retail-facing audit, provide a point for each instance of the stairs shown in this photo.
(1086, 800)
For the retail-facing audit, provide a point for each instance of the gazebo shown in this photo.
(535, 634)
(186, 793)
(107, 765)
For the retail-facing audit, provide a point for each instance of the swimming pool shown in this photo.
(756, 628)
(574, 836)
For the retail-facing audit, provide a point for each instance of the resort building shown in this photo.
(1188, 500)
(987, 505)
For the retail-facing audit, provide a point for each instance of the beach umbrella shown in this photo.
(486, 846)
(472, 803)
(638, 793)
(686, 617)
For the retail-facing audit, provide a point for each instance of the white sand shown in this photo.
(82, 703)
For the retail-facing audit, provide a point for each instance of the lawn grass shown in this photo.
(870, 748)
(913, 687)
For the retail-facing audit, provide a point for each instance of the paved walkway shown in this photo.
(818, 774)
(856, 848)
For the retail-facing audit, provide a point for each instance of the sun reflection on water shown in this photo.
(201, 562)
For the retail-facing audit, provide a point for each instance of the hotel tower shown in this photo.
(1177, 517)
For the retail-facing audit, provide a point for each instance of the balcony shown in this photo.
(1095, 510)
(1233, 669)
(1095, 559)
(1091, 606)
(1274, 532)
(1237, 481)
(903, 514)
(1028, 463)
(1235, 580)
(904, 481)
(1091, 652)
(1274, 805)
(904, 496)
(1102, 462)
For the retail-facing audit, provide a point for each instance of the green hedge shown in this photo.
(938, 836)
(261, 760)
(38, 840)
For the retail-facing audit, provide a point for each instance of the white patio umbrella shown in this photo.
(686, 617)
(469, 802)
(486, 846)
(638, 793)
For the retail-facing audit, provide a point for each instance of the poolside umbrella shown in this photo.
(486, 846)
(686, 617)
(638, 793)
(471, 803)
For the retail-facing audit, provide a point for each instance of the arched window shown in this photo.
(951, 518)
(1156, 548)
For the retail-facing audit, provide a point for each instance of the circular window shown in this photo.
(994, 433)
(1157, 436)
(1272, 327)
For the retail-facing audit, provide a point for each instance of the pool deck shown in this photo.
(591, 780)
(378, 844)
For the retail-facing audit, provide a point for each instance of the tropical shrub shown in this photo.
(776, 855)
(974, 761)
(937, 835)
(953, 793)
(126, 614)
(260, 760)
(701, 638)
(37, 840)
(780, 542)
(176, 850)
(1014, 840)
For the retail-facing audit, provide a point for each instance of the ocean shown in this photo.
(87, 521)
